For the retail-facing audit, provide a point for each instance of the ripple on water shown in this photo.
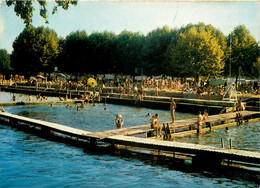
(30, 161)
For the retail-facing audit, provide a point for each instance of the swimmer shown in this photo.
(2, 109)
(51, 105)
(105, 109)
(226, 129)
(119, 121)
(30, 98)
(14, 98)
(82, 105)
(94, 104)
(68, 106)
(148, 115)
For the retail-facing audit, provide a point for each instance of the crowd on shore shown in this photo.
(126, 85)
(129, 86)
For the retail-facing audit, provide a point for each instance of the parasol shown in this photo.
(61, 75)
(92, 82)
(39, 76)
(217, 82)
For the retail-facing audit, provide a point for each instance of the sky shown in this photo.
(143, 17)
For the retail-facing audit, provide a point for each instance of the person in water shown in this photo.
(82, 105)
(205, 115)
(119, 121)
(2, 109)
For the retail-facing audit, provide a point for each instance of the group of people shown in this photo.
(202, 118)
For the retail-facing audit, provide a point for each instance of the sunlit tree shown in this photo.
(4, 60)
(196, 53)
(34, 50)
(244, 52)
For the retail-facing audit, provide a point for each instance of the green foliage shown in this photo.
(256, 69)
(196, 53)
(193, 50)
(4, 60)
(35, 49)
(24, 9)
(154, 49)
(244, 51)
(128, 52)
(103, 57)
(74, 53)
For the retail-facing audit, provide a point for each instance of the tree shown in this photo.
(103, 57)
(35, 49)
(4, 60)
(154, 49)
(24, 9)
(128, 52)
(74, 53)
(196, 53)
(244, 52)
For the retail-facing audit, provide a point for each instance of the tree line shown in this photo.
(191, 51)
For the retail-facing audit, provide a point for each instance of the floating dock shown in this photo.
(124, 136)
(183, 105)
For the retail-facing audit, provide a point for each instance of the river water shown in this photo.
(30, 161)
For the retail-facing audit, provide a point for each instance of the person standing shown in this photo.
(199, 122)
(155, 124)
(172, 109)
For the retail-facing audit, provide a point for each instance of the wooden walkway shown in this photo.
(203, 150)
(44, 124)
(130, 131)
(123, 137)
(180, 125)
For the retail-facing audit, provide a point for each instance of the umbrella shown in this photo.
(39, 76)
(92, 82)
(217, 82)
(60, 75)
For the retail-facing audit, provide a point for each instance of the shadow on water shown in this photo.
(180, 165)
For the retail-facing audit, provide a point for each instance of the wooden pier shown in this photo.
(125, 136)
(202, 151)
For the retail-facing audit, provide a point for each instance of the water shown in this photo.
(30, 161)
(8, 97)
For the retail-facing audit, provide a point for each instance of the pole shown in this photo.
(230, 58)
(222, 143)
